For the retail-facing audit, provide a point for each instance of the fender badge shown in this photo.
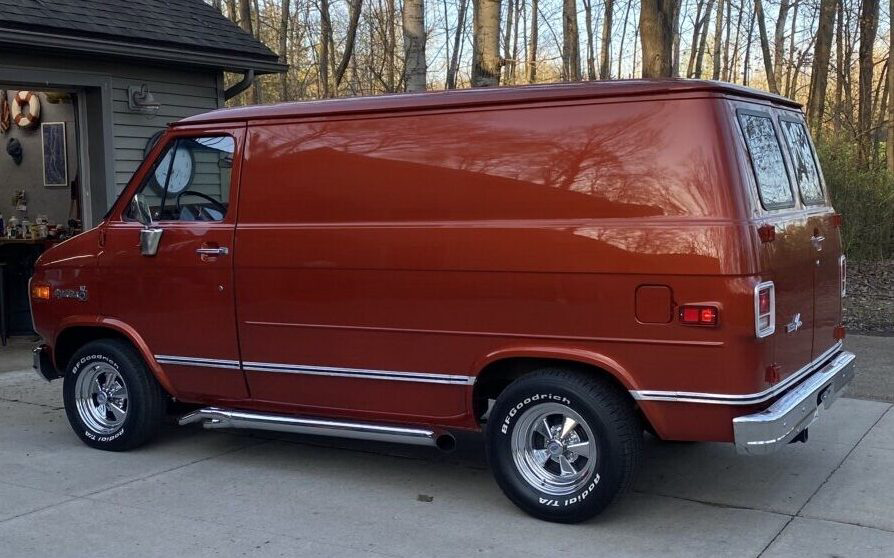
(78, 294)
(795, 324)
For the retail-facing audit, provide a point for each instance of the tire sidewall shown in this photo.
(81, 361)
(600, 488)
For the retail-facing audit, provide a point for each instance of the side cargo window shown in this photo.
(767, 161)
(190, 181)
(803, 161)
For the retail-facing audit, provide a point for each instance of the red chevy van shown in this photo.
(562, 267)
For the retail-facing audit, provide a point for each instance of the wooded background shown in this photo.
(831, 55)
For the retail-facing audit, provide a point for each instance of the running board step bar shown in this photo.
(213, 417)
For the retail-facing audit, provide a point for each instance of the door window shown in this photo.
(766, 160)
(803, 162)
(190, 181)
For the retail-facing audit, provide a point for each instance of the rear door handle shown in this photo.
(817, 242)
(221, 251)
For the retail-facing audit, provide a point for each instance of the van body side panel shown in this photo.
(379, 259)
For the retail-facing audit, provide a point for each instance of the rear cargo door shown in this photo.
(822, 224)
(788, 260)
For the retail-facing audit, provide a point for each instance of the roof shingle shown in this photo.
(189, 24)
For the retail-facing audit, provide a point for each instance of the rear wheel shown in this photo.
(563, 445)
(112, 400)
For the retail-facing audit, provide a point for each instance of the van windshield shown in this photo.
(803, 161)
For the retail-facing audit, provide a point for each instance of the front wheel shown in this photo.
(112, 400)
(563, 445)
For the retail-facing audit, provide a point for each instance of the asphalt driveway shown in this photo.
(211, 493)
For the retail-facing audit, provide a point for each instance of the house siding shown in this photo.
(181, 92)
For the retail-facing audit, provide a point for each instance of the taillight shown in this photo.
(842, 274)
(764, 309)
(693, 314)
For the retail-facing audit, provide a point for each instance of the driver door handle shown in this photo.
(221, 251)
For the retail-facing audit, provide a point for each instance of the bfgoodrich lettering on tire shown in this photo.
(563, 444)
(111, 399)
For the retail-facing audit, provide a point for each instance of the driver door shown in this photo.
(180, 300)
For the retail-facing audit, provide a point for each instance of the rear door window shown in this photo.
(803, 161)
(766, 160)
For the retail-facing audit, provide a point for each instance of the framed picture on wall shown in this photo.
(55, 155)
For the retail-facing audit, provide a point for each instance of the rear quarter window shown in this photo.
(767, 161)
(803, 162)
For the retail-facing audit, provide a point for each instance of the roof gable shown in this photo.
(190, 25)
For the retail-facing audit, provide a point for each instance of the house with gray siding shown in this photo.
(126, 68)
(84, 87)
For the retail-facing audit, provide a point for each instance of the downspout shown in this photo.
(247, 78)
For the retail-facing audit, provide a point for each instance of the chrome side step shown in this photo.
(213, 417)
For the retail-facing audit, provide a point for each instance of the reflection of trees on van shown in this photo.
(632, 156)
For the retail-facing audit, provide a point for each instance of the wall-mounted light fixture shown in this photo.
(139, 99)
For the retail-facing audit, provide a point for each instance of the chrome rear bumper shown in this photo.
(768, 430)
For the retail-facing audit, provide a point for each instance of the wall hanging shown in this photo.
(55, 155)
(26, 109)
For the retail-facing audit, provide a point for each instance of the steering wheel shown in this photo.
(217, 205)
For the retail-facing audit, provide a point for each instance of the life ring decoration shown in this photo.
(26, 109)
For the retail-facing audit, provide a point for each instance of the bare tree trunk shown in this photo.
(571, 42)
(591, 55)
(765, 47)
(507, 40)
(690, 68)
(779, 41)
(390, 48)
(839, 60)
(868, 29)
(532, 47)
(889, 147)
(791, 72)
(325, 40)
(457, 39)
(232, 12)
(605, 71)
(703, 40)
(724, 73)
(283, 48)
(819, 73)
(486, 43)
(675, 57)
(513, 59)
(748, 49)
(414, 45)
(350, 39)
(623, 36)
(656, 24)
(718, 41)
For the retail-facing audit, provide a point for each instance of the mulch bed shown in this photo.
(869, 304)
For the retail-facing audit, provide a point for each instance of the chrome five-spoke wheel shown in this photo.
(101, 398)
(554, 449)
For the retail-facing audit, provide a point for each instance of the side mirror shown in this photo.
(140, 210)
(149, 236)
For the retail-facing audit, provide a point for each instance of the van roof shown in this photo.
(483, 96)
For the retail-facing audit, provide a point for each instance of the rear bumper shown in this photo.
(772, 428)
(43, 363)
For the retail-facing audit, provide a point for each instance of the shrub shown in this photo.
(864, 195)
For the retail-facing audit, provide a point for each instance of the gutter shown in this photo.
(19, 38)
(247, 79)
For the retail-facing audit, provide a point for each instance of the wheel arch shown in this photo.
(499, 369)
(75, 334)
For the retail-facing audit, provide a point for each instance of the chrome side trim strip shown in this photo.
(359, 373)
(735, 399)
(213, 417)
(193, 361)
